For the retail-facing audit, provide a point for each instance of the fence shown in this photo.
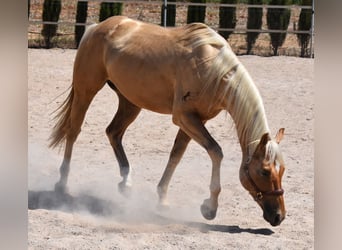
(151, 11)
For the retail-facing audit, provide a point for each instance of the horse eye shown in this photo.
(265, 172)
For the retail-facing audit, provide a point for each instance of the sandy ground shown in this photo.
(96, 216)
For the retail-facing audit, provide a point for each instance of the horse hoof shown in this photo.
(207, 212)
(60, 188)
(124, 189)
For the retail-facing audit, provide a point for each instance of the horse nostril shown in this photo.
(277, 219)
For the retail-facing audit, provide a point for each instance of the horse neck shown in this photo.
(245, 106)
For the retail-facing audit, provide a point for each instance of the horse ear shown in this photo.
(264, 139)
(279, 136)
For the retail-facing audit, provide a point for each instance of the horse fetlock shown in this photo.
(163, 205)
(125, 188)
(125, 172)
(215, 189)
(60, 187)
(161, 192)
(208, 209)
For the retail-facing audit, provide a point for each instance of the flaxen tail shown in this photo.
(59, 132)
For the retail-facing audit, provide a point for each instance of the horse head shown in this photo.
(261, 176)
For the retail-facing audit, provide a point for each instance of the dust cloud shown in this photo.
(100, 202)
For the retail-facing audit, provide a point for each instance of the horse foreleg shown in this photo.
(209, 206)
(179, 146)
(125, 115)
(194, 127)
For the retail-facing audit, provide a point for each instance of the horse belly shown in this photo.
(146, 88)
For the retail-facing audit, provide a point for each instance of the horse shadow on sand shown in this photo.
(52, 200)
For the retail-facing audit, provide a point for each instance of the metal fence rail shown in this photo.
(164, 4)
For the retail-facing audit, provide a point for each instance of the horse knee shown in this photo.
(215, 152)
(109, 131)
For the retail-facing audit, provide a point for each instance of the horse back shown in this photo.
(152, 66)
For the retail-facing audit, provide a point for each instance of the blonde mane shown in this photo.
(243, 99)
(273, 153)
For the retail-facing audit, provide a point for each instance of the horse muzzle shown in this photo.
(274, 218)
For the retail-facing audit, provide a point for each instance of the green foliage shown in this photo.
(227, 17)
(170, 15)
(278, 19)
(196, 13)
(109, 9)
(304, 24)
(254, 22)
(51, 11)
(81, 17)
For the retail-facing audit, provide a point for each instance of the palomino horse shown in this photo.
(189, 72)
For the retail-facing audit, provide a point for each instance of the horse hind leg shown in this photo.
(127, 112)
(70, 119)
(67, 129)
